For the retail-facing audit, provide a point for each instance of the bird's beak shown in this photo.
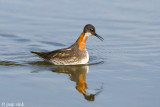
(98, 37)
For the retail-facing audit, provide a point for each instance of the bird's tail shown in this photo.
(41, 54)
(35, 52)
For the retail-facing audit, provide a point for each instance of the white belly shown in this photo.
(85, 60)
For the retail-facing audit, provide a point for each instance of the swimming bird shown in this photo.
(73, 55)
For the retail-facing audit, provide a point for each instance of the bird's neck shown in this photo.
(82, 41)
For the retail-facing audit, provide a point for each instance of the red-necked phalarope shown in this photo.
(73, 55)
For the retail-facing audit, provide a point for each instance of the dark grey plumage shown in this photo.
(64, 56)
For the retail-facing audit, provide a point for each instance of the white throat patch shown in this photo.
(88, 34)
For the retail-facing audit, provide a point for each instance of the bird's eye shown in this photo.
(91, 29)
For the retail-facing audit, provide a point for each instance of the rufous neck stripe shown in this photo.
(82, 41)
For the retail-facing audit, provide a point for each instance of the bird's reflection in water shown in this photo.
(77, 74)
